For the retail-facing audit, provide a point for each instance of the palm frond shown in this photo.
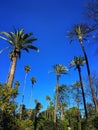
(7, 40)
(6, 34)
(27, 41)
(25, 36)
(33, 47)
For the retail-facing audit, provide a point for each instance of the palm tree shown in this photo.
(36, 101)
(48, 98)
(19, 41)
(17, 83)
(33, 80)
(47, 112)
(38, 107)
(58, 69)
(81, 32)
(62, 97)
(76, 87)
(27, 69)
(78, 62)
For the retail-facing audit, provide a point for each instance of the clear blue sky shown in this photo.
(49, 20)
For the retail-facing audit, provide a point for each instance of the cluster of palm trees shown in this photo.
(19, 41)
(82, 32)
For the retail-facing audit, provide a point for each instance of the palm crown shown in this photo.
(60, 69)
(19, 40)
(80, 31)
(27, 68)
(33, 80)
(77, 61)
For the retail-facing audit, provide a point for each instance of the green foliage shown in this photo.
(73, 117)
(7, 108)
(26, 124)
(91, 123)
(7, 97)
(50, 125)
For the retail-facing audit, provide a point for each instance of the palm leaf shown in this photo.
(6, 34)
(33, 47)
(7, 40)
(25, 36)
(29, 40)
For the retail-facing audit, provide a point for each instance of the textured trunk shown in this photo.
(90, 79)
(56, 100)
(62, 113)
(12, 72)
(83, 95)
(78, 103)
(24, 88)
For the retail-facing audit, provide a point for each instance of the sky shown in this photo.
(49, 20)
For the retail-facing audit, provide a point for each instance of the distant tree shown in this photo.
(81, 32)
(33, 81)
(72, 116)
(27, 69)
(78, 62)
(22, 112)
(90, 109)
(62, 99)
(75, 89)
(58, 69)
(95, 83)
(48, 98)
(19, 41)
(17, 83)
(91, 11)
(38, 107)
(36, 101)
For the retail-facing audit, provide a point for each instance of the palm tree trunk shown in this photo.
(12, 72)
(56, 100)
(90, 79)
(83, 95)
(62, 113)
(78, 103)
(24, 88)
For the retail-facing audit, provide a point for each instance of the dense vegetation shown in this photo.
(58, 115)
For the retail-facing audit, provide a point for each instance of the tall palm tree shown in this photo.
(81, 32)
(58, 69)
(33, 81)
(27, 69)
(38, 107)
(47, 112)
(19, 41)
(48, 98)
(62, 98)
(78, 62)
(17, 83)
(76, 86)
(36, 101)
